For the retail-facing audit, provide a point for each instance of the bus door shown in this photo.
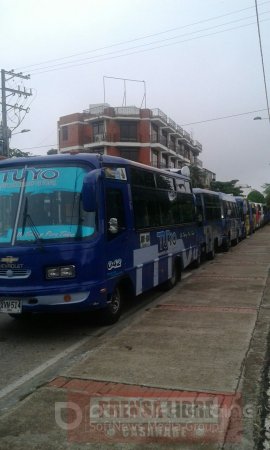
(117, 254)
(200, 217)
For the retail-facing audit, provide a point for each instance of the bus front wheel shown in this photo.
(112, 312)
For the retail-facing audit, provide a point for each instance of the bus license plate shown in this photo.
(10, 305)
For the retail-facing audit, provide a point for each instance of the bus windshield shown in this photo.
(40, 202)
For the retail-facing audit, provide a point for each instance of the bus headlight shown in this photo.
(53, 273)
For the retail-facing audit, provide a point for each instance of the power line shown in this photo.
(224, 117)
(139, 51)
(261, 51)
(140, 38)
(146, 44)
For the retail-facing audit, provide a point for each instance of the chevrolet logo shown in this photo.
(9, 259)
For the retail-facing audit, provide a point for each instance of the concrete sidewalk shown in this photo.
(191, 366)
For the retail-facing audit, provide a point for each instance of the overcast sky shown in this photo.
(200, 60)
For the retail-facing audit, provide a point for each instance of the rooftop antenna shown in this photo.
(125, 89)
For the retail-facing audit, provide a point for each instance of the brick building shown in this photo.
(144, 135)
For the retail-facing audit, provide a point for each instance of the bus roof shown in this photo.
(204, 191)
(227, 197)
(96, 159)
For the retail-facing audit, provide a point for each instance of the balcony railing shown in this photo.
(127, 111)
(158, 113)
(101, 110)
(158, 139)
(171, 123)
(115, 137)
(172, 146)
(186, 135)
(159, 164)
(179, 130)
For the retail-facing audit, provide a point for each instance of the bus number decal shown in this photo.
(116, 264)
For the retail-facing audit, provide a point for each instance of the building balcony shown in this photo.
(158, 114)
(186, 136)
(180, 130)
(115, 139)
(172, 146)
(158, 164)
(171, 123)
(124, 111)
(198, 145)
(158, 139)
(128, 112)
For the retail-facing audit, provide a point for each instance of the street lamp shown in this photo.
(22, 131)
(5, 136)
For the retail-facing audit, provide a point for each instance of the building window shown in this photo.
(154, 134)
(164, 138)
(129, 153)
(98, 128)
(154, 161)
(128, 131)
(65, 133)
(163, 162)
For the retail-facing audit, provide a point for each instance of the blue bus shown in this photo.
(210, 222)
(84, 232)
(232, 227)
(244, 211)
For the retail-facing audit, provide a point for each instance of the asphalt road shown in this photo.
(33, 350)
(24, 345)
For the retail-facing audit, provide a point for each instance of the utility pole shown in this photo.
(5, 132)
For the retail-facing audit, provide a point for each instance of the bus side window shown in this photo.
(199, 208)
(115, 210)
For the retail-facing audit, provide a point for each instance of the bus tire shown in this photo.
(112, 312)
(211, 255)
(176, 276)
(227, 244)
(197, 262)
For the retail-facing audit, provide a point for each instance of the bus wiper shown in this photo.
(28, 218)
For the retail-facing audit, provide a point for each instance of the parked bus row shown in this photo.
(223, 220)
(85, 232)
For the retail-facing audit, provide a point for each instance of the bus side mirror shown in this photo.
(89, 190)
(113, 225)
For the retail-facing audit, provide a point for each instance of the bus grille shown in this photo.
(15, 273)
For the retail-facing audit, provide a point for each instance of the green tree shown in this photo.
(266, 191)
(256, 196)
(52, 151)
(228, 187)
(16, 153)
(197, 177)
